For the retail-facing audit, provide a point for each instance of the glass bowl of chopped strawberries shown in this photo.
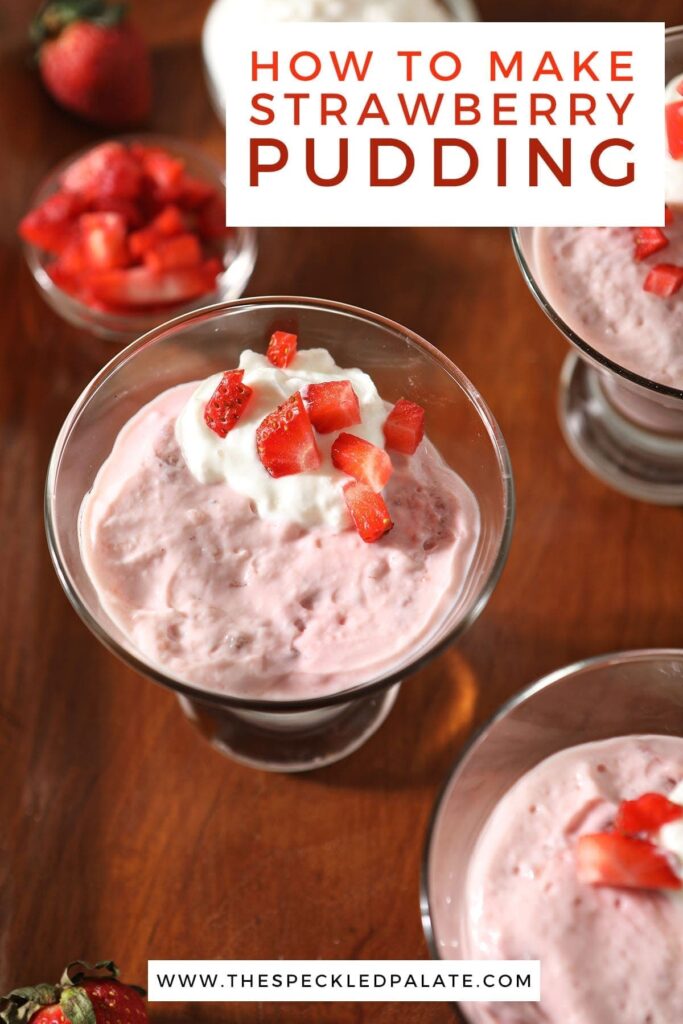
(317, 503)
(128, 233)
(616, 295)
(573, 777)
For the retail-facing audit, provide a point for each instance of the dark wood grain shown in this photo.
(121, 833)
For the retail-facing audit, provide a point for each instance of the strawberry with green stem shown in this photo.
(85, 995)
(93, 61)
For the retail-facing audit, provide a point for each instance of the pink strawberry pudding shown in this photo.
(580, 866)
(621, 289)
(278, 530)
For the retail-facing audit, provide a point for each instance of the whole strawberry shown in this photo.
(85, 995)
(93, 62)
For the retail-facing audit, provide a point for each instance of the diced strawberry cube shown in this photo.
(228, 402)
(647, 814)
(624, 862)
(368, 511)
(664, 280)
(69, 283)
(405, 427)
(167, 224)
(648, 242)
(674, 128)
(194, 192)
(169, 221)
(53, 224)
(107, 170)
(71, 260)
(172, 253)
(140, 242)
(128, 208)
(211, 219)
(104, 240)
(362, 460)
(332, 406)
(285, 441)
(140, 286)
(164, 172)
(282, 349)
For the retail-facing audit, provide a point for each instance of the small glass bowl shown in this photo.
(623, 427)
(624, 694)
(300, 734)
(238, 255)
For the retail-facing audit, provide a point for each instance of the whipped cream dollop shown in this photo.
(308, 499)
(673, 168)
(670, 836)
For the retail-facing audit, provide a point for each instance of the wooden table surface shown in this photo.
(122, 834)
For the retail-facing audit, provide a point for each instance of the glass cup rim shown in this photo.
(646, 654)
(574, 338)
(263, 704)
(673, 33)
(136, 323)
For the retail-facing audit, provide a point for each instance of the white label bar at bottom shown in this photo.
(343, 981)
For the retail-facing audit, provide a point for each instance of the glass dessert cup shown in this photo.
(632, 692)
(299, 734)
(623, 427)
(237, 252)
(214, 26)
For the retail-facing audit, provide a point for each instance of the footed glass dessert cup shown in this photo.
(624, 694)
(624, 427)
(300, 734)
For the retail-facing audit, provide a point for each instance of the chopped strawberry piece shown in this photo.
(674, 128)
(211, 219)
(164, 172)
(664, 280)
(123, 204)
(169, 221)
(173, 253)
(362, 460)
(647, 814)
(668, 217)
(194, 192)
(405, 427)
(649, 241)
(332, 406)
(104, 240)
(282, 349)
(129, 210)
(228, 402)
(368, 510)
(624, 862)
(140, 286)
(285, 440)
(107, 170)
(53, 224)
(679, 87)
(72, 260)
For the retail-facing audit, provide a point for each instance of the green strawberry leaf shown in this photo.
(78, 971)
(56, 15)
(76, 1006)
(22, 1003)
